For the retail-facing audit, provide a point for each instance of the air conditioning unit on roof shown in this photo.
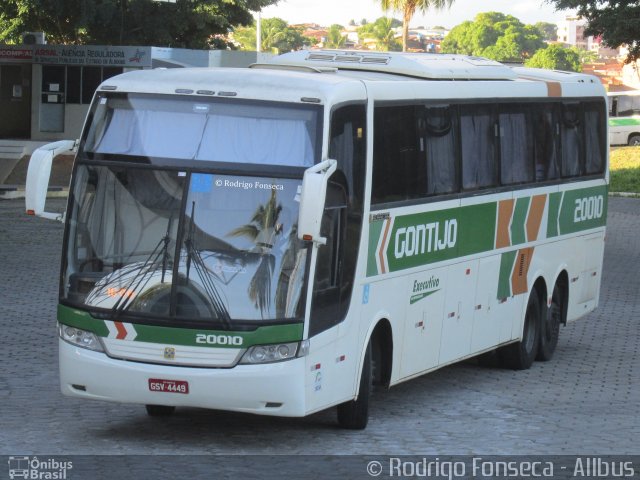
(33, 38)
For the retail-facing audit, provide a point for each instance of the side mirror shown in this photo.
(312, 199)
(38, 178)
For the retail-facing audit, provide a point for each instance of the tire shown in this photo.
(634, 140)
(520, 355)
(354, 414)
(550, 327)
(160, 410)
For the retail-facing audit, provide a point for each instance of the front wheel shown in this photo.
(354, 414)
(520, 355)
(634, 140)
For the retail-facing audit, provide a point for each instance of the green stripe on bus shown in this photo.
(555, 200)
(424, 238)
(504, 280)
(583, 209)
(183, 336)
(375, 229)
(624, 122)
(518, 234)
(429, 237)
(80, 319)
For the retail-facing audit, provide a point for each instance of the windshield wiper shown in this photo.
(194, 257)
(143, 274)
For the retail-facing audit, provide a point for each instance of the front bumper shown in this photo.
(268, 389)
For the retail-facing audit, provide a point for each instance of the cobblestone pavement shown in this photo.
(585, 401)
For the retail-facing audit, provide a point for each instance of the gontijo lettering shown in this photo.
(425, 238)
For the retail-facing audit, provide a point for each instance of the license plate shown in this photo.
(168, 386)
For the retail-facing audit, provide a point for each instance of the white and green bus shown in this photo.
(280, 239)
(624, 118)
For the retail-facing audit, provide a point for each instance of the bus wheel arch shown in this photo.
(382, 353)
(376, 370)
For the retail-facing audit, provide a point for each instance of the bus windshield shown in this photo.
(202, 128)
(176, 245)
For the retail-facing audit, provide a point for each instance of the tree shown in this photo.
(494, 35)
(277, 36)
(186, 23)
(556, 57)
(617, 22)
(262, 230)
(408, 9)
(383, 32)
(549, 30)
(335, 39)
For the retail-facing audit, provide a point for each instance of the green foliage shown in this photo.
(616, 21)
(408, 9)
(624, 165)
(383, 32)
(549, 30)
(335, 39)
(556, 57)
(277, 36)
(494, 35)
(186, 23)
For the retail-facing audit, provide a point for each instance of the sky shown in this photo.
(327, 12)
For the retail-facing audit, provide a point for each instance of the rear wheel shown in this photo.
(354, 414)
(520, 355)
(550, 327)
(160, 410)
(634, 140)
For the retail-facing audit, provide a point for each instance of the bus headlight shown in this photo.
(80, 338)
(270, 353)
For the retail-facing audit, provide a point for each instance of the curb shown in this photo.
(12, 192)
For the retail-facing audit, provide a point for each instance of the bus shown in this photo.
(284, 238)
(624, 118)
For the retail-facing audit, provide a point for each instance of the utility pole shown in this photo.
(259, 33)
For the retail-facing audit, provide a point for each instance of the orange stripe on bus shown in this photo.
(505, 211)
(520, 271)
(554, 89)
(384, 243)
(535, 217)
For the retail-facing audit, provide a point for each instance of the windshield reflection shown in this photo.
(226, 253)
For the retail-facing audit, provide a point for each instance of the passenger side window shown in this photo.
(399, 170)
(478, 131)
(516, 148)
(595, 133)
(440, 137)
(546, 142)
(572, 140)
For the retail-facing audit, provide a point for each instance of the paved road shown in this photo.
(585, 401)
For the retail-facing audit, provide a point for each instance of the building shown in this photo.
(45, 90)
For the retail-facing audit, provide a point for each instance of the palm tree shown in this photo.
(335, 39)
(385, 35)
(262, 230)
(408, 9)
